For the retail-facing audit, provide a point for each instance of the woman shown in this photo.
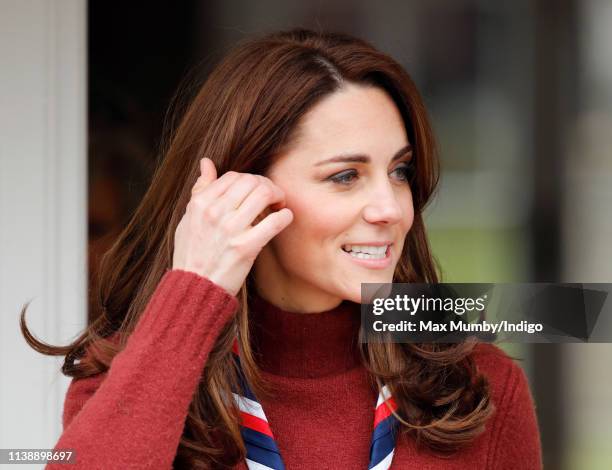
(231, 300)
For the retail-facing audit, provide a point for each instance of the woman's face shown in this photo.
(344, 178)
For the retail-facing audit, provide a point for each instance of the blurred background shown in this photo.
(520, 95)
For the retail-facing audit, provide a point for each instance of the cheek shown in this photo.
(408, 219)
(314, 224)
(313, 220)
(408, 211)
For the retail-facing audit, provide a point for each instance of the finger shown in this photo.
(262, 215)
(212, 191)
(277, 205)
(208, 169)
(208, 173)
(257, 201)
(237, 192)
(259, 235)
(244, 186)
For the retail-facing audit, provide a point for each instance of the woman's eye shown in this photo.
(344, 177)
(405, 171)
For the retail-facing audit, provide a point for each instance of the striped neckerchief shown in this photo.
(262, 451)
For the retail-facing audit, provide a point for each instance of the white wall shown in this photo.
(43, 207)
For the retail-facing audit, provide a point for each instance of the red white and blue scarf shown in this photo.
(262, 451)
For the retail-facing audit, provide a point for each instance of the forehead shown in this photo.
(354, 119)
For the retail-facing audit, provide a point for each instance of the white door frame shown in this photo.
(43, 207)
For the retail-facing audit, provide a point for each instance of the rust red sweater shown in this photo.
(132, 417)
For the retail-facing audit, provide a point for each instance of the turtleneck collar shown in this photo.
(304, 345)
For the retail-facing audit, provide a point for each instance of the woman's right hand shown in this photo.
(216, 238)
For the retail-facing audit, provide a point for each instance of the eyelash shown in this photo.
(406, 168)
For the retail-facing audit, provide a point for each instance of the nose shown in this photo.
(383, 206)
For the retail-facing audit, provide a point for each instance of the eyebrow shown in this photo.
(362, 158)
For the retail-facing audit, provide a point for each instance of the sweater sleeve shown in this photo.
(133, 415)
(516, 442)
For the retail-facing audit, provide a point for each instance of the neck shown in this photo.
(295, 344)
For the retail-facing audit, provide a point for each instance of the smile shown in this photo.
(371, 256)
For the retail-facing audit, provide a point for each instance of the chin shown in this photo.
(355, 296)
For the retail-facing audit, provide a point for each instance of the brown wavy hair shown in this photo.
(241, 117)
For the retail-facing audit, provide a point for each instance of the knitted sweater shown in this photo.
(322, 411)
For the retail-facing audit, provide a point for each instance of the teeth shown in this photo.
(372, 250)
(366, 255)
